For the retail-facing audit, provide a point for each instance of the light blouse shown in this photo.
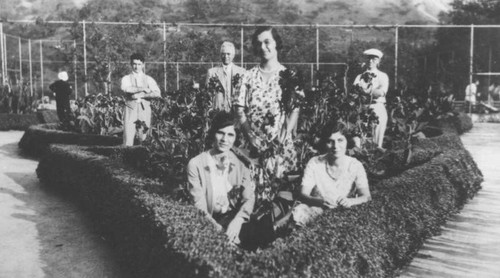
(350, 176)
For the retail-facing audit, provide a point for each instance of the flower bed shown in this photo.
(37, 138)
(24, 121)
(157, 236)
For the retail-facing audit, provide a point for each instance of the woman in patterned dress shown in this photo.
(264, 121)
(331, 180)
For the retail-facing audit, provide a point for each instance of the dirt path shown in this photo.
(470, 242)
(43, 234)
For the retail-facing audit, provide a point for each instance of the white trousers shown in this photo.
(379, 131)
(133, 112)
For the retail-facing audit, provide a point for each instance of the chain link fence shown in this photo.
(416, 57)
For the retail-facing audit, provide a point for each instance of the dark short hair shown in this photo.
(221, 120)
(137, 56)
(331, 128)
(262, 29)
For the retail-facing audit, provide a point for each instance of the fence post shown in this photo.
(396, 57)
(20, 65)
(177, 71)
(312, 75)
(317, 51)
(164, 57)
(6, 64)
(317, 47)
(41, 66)
(2, 53)
(241, 46)
(471, 64)
(85, 59)
(31, 67)
(75, 70)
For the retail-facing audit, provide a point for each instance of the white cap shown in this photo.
(63, 76)
(373, 52)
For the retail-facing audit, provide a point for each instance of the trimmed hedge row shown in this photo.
(38, 137)
(457, 124)
(160, 237)
(422, 151)
(24, 121)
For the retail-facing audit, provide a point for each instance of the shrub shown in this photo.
(37, 138)
(158, 236)
(24, 121)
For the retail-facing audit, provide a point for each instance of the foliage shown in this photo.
(329, 102)
(110, 51)
(178, 132)
(18, 121)
(157, 236)
(473, 12)
(411, 115)
(486, 40)
(17, 99)
(37, 138)
(99, 114)
(182, 118)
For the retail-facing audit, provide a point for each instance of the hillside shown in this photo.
(272, 11)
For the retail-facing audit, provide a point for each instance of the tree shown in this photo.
(486, 40)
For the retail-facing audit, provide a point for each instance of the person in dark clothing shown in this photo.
(62, 90)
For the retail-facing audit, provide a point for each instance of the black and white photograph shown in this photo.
(249, 138)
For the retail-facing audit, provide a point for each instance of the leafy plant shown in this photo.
(99, 114)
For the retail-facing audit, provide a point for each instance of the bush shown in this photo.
(158, 236)
(37, 138)
(24, 121)
(458, 123)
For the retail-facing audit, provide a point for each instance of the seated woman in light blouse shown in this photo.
(331, 180)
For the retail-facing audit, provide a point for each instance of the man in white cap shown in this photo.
(62, 89)
(224, 74)
(139, 88)
(375, 83)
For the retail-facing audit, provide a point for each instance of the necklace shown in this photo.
(330, 171)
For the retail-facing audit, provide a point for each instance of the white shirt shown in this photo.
(380, 81)
(220, 186)
(350, 176)
(227, 69)
(131, 82)
(470, 92)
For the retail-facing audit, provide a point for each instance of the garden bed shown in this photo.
(37, 138)
(157, 236)
(24, 121)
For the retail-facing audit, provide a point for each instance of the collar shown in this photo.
(137, 74)
(228, 67)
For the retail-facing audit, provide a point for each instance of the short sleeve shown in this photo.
(384, 82)
(360, 180)
(308, 180)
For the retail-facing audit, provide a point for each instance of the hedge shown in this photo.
(459, 123)
(157, 236)
(24, 121)
(37, 138)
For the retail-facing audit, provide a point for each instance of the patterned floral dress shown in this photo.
(267, 119)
